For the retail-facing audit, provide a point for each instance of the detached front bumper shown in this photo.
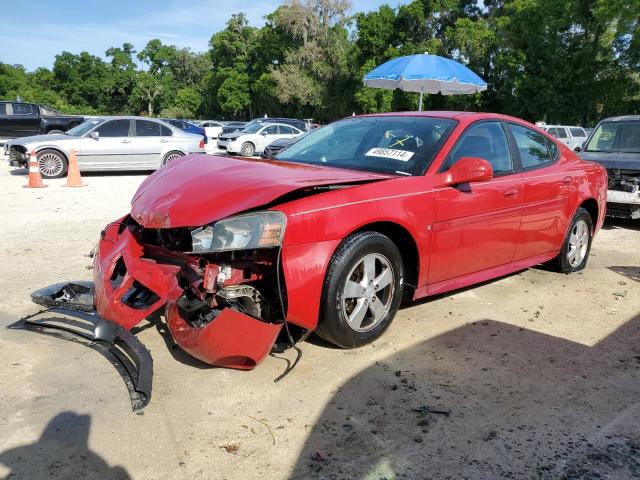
(132, 281)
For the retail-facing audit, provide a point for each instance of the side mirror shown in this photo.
(467, 170)
(577, 149)
(94, 135)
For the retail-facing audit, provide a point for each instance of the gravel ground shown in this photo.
(535, 375)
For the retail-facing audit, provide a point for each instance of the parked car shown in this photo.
(212, 128)
(347, 222)
(615, 144)
(114, 143)
(254, 138)
(231, 127)
(301, 125)
(19, 119)
(573, 137)
(187, 127)
(275, 147)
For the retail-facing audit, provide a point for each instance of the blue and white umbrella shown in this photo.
(425, 73)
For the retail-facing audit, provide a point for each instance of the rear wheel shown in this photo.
(362, 290)
(577, 244)
(52, 164)
(248, 149)
(169, 157)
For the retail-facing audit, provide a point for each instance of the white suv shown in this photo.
(572, 137)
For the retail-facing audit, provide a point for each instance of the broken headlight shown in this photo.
(242, 232)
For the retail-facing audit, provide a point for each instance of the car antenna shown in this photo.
(292, 343)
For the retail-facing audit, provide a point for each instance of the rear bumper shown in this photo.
(131, 283)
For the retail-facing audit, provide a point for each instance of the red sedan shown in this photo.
(346, 223)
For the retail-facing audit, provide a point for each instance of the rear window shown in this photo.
(535, 150)
(145, 128)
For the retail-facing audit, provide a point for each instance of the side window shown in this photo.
(165, 131)
(146, 128)
(3, 108)
(562, 132)
(534, 149)
(284, 130)
(270, 130)
(577, 132)
(114, 128)
(485, 140)
(22, 108)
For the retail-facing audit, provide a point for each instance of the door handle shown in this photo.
(126, 141)
(511, 192)
(163, 140)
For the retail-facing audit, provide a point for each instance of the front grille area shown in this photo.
(139, 297)
(16, 154)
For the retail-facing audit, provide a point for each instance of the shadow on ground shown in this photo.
(487, 400)
(62, 451)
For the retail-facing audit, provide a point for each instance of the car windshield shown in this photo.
(616, 137)
(84, 127)
(388, 144)
(252, 128)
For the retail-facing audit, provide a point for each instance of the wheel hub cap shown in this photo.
(578, 243)
(368, 292)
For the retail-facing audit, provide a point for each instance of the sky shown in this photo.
(34, 31)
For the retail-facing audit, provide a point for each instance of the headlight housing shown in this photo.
(242, 232)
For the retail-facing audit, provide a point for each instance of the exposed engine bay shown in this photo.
(623, 196)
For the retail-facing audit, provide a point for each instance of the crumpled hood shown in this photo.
(613, 160)
(199, 189)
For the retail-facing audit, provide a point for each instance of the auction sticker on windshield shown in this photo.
(401, 155)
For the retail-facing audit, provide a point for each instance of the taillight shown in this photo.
(202, 142)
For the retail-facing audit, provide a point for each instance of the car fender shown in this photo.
(317, 225)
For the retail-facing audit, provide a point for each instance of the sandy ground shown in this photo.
(535, 375)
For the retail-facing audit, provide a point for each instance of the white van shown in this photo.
(572, 137)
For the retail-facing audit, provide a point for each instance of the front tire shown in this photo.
(52, 164)
(362, 290)
(577, 244)
(248, 149)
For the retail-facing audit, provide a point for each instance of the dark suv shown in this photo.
(294, 122)
(615, 144)
(19, 119)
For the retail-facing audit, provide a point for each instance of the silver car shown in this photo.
(113, 143)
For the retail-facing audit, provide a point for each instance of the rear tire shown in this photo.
(52, 164)
(248, 149)
(577, 244)
(170, 156)
(362, 290)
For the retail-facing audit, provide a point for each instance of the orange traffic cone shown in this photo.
(35, 179)
(73, 174)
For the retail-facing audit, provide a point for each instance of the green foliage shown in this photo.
(564, 61)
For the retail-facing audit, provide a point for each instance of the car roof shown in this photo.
(623, 118)
(270, 124)
(560, 126)
(454, 115)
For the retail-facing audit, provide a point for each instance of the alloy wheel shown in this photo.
(50, 164)
(368, 292)
(578, 243)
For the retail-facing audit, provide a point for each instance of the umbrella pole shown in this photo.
(420, 102)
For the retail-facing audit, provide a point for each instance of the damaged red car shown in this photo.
(339, 229)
